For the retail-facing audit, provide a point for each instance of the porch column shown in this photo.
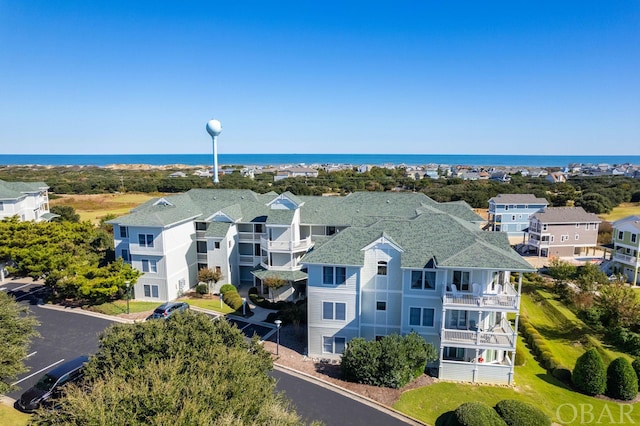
(441, 359)
(520, 274)
(515, 330)
(475, 366)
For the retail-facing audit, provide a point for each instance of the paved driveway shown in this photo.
(66, 335)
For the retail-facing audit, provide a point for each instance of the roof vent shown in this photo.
(388, 201)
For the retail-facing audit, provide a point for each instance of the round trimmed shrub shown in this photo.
(636, 366)
(622, 381)
(519, 413)
(232, 299)
(589, 375)
(202, 288)
(519, 358)
(227, 287)
(477, 414)
(562, 373)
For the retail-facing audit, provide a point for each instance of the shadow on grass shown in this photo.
(554, 381)
(447, 419)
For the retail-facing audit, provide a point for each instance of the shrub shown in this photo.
(232, 299)
(227, 287)
(622, 381)
(589, 375)
(518, 413)
(202, 288)
(519, 358)
(562, 373)
(477, 414)
(636, 367)
(391, 361)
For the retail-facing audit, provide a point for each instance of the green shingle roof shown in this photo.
(15, 190)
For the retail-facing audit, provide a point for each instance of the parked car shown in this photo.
(50, 385)
(165, 310)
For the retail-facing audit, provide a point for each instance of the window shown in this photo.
(202, 266)
(461, 280)
(381, 306)
(564, 238)
(331, 230)
(334, 311)
(149, 266)
(421, 317)
(544, 227)
(150, 290)
(333, 345)
(633, 238)
(578, 225)
(216, 244)
(620, 235)
(201, 226)
(458, 319)
(513, 218)
(145, 240)
(124, 232)
(334, 275)
(382, 267)
(201, 246)
(551, 238)
(258, 228)
(586, 227)
(256, 249)
(577, 237)
(125, 255)
(506, 208)
(423, 280)
(453, 354)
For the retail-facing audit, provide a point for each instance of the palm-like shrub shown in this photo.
(622, 381)
(589, 375)
(519, 413)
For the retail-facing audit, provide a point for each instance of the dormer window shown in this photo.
(382, 267)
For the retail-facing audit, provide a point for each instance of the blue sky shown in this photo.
(454, 77)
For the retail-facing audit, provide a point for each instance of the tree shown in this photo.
(186, 370)
(208, 275)
(622, 382)
(274, 283)
(589, 375)
(66, 213)
(595, 203)
(17, 328)
(619, 305)
(590, 277)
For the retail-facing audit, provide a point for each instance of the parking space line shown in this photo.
(3, 289)
(30, 293)
(31, 354)
(37, 372)
(22, 286)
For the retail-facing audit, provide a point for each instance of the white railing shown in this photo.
(298, 245)
(501, 335)
(630, 260)
(507, 299)
(495, 373)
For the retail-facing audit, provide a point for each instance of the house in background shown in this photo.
(556, 177)
(510, 213)
(626, 248)
(562, 232)
(27, 200)
(370, 264)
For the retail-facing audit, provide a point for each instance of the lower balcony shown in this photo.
(626, 259)
(499, 336)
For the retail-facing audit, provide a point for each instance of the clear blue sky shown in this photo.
(441, 77)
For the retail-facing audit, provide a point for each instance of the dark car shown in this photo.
(165, 310)
(50, 385)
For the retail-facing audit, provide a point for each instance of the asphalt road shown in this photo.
(66, 335)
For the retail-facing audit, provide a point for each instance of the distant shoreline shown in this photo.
(140, 161)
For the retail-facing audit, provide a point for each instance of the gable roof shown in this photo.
(518, 199)
(565, 215)
(15, 190)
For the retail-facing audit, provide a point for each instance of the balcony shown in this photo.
(626, 259)
(500, 336)
(286, 246)
(506, 298)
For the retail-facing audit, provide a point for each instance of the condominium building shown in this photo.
(27, 200)
(370, 264)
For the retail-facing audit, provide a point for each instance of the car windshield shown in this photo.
(46, 383)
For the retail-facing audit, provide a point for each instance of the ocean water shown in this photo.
(309, 159)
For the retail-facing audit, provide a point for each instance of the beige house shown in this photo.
(562, 232)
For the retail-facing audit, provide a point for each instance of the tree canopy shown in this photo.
(17, 328)
(188, 370)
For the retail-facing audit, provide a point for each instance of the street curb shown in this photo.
(88, 313)
(8, 401)
(350, 394)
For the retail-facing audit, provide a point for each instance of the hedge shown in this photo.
(477, 414)
(232, 299)
(519, 413)
(541, 350)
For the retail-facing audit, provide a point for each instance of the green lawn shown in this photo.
(623, 210)
(13, 417)
(212, 304)
(120, 307)
(431, 403)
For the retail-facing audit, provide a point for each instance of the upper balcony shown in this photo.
(500, 336)
(504, 298)
(286, 246)
(626, 259)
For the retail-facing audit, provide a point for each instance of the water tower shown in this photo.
(214, 128)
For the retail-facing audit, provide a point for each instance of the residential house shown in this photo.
(381, 263)
(556, 177)
(510, 213)
(562, 231)
(295, 172)
(27, 200)
(626, 248)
